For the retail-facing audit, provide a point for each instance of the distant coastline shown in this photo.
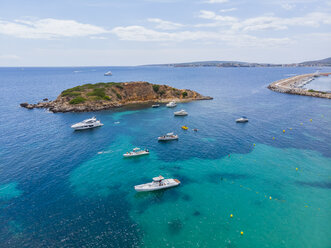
(316, 63)
(294, 85)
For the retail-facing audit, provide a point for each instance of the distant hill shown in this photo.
(322, 62)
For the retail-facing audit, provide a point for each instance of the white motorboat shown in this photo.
(108, 73)
(168, 136)
(87, 124)
(242, 119)
(181, 113)
(171, 105)
(136, 152)
(155, 105)
(157, 184)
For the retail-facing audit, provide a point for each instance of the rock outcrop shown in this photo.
(102, 96)
(293, 85)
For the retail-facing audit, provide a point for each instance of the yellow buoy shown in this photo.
(270, 197)
(301, 123)
(311, 119)
(253, 144)
(273, 138)
(290, 128)
(231, 215)
(284, 131)
(242, 233)
(296, 169)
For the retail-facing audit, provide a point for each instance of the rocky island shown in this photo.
(102, 96)
(294, 85)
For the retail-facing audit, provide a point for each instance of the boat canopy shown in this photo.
(157, 179)
(136, 149)
(169, 134)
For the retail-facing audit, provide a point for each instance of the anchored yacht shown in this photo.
(242, 119)
(108, 73)
(171, 104)
(157, 184)
(181, 113)
(136, 152)
(87, 124)
(168, 136)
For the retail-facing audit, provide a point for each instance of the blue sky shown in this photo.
(136, 32)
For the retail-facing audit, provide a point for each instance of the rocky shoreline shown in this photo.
(103, 96)
(293, 85)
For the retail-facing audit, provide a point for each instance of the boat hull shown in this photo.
(167, 139)
(135, 155)
(141, 188)
(79, 128)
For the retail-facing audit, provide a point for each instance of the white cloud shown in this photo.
(216, 1)
(9, 57)
(139, 33)
(210, 15)
(287, 6)
(227, 10)
(314, 19)
(48, 28)
(165, 25)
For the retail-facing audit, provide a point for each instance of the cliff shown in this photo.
(102, 96)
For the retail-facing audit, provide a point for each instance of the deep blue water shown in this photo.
(57, 191)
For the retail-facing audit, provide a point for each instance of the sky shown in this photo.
(138, 32)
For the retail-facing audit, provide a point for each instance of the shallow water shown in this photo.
(60, 188)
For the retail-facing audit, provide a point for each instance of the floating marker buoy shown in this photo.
(311, 119)
(270, 197)
(296, 169)
(290, 128)
(301, 123)
(273, 138)
(242, 233)
(253, 144)
(231, 215)
(284, 131)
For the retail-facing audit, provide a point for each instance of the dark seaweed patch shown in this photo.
(183, 179)
(149, 198)
(187, 198)
(218, 177)
(196, 213)
(321, 185)
(175, 226)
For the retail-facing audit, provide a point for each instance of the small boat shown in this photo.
(168, 136)
(155, 105)
(157, 184)
(171, 105)
(181, 113)
(108, 73)
(136, 152)
(242, 119)
(195, 130)
(87, 124)
(185, 127)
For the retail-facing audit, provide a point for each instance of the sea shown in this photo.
(265, 183)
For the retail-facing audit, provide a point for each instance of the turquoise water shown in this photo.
(60, 188)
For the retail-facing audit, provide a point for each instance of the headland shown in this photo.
(103, 96)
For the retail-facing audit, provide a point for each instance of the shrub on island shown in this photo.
(77, 100)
